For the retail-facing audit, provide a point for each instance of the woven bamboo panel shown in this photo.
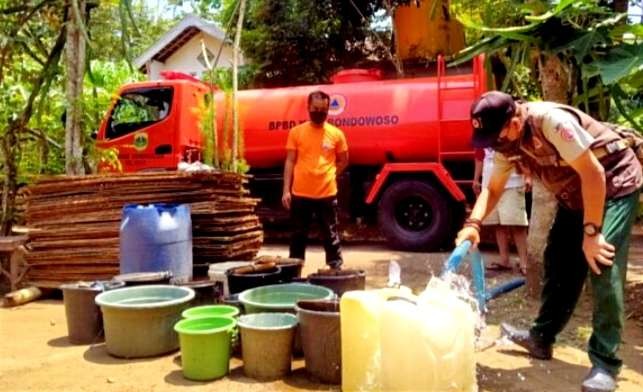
(73, 222)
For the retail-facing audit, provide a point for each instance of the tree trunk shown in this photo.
(235, 86)
(10, 141)
(620, 5)
(543, 211)
(555, 78)
(10, 185)
(556, 85)
(75, 58)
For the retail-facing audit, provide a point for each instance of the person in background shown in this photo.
(596, 176)
(317, 153)
(509, 217)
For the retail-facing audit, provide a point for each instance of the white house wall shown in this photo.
(154, 69)
(185, 59)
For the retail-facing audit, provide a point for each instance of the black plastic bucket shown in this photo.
(84, 319)
(339, 281)
(141, 278)
(290, 268)
(319, 327)
(205, 292)
(240, 282)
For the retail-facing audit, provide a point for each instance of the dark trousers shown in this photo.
(565, 274)
(302, 210)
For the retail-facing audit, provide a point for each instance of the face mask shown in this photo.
(318, 117)
(504, 145)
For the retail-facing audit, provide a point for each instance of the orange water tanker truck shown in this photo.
(411, 160)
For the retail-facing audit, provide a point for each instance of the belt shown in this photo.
(608, 149)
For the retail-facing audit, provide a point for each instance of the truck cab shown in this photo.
(151, 126)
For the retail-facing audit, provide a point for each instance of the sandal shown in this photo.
(498, 267)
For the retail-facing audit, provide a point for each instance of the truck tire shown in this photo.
(413, 215)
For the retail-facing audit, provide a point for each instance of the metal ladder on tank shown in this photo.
(479, 86)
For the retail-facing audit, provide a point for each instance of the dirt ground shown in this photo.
(36, 356)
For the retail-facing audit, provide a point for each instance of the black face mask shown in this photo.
(504, 146)
(318, 117)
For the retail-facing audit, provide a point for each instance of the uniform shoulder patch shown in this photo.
(566, 132)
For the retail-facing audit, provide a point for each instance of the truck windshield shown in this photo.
(138, 109)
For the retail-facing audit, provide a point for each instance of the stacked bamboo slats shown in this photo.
(73, 222)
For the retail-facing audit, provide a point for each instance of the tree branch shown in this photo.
(31, 54)
(40, 134)
(23, 20)
(30, 15)
(37, 41)
(52, 59)
(14, 10)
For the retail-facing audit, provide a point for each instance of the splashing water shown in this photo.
(428, 340)
(394, 340)
(460, 286)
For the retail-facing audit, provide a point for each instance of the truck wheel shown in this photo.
(414, 216)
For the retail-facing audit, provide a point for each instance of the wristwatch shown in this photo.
(591, 229)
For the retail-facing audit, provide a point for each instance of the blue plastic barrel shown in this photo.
(157, 237)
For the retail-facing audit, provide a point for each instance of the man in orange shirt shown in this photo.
(316, 153)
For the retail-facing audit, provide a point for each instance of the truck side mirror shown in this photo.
(94, 135)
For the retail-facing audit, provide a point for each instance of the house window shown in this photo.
(201, 59)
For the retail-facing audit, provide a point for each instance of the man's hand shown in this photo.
(596, 249)
(468, 233)
(286, 198)
(529, 182)
(477, 187)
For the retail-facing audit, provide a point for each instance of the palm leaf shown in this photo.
(620, 62)
(516, 55)
(536, 21)
(486, 45)
(635, 29)
(619, 96)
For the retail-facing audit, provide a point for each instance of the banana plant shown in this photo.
(600, 53)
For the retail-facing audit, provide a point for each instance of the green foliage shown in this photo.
(28, 83)
(585, 35)
(222, 77)
(25, 46)
(107, 159)
(218, 152)
(206, 112)
(140, 22)
(205, 8)
(101, 84)
(296, 42)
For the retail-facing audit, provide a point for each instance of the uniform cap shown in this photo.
(489, 114)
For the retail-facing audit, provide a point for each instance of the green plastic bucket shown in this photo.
(211, 311)
(205, 346)
(281, 297)
(139, 320)
(267, 344)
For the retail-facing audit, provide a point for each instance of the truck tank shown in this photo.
(406, 120)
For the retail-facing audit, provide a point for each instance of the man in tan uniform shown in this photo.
(596, 177)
